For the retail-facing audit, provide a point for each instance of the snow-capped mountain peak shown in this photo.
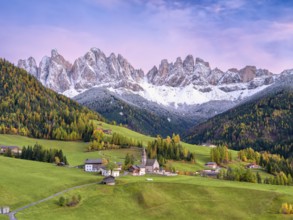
(184, 82)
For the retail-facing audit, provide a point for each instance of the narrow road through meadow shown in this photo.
(12, 214)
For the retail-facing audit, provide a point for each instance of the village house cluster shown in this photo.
(146, 166)
(13, 149)
(96, 165)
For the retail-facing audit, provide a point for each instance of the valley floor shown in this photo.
(23, 182)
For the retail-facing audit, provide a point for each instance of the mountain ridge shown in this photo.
(188, 89)
(95, 69)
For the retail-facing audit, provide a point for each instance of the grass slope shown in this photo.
(202, 153)
(169, 198)
(24, 181)
(180, 197)
(74, 151)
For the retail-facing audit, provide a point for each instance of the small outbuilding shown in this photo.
(109, 180)
(212, 165)
(253, 166)
(4, 210)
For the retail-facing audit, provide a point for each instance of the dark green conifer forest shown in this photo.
(27, 108)
(265, 124)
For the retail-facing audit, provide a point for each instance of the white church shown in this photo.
(151, 165)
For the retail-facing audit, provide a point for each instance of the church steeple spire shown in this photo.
(143, 157)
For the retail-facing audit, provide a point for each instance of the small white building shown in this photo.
(115, 173)
(4, 210)
(106, 172)
(141, 170)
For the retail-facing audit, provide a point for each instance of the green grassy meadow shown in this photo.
(4, 217)
(180, 197)
(76, 152)
(23, 181)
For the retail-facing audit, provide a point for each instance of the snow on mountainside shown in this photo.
(187, 82)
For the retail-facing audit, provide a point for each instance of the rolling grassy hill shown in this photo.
(76, 151)
(180, 197)
(168, 198)
(24, 181)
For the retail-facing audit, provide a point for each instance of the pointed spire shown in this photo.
(143, 157)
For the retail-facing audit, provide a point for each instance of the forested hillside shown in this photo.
(138, 118)
(28, 108)
(265, 123)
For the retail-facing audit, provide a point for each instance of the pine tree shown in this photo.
(258, 177)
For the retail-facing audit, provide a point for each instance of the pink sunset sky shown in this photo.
(232, 33)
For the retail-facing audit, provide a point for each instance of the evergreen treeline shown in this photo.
(169, 148)
(239, 174)
(27, 108)
(136, 118)
(220, 154)
(246, 175)
(102, 142)
(129, 160)
(124, 141)
(272, 163)
(37, 153)
(265, 124)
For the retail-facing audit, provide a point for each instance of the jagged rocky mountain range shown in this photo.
(95, 69)
(188, 90)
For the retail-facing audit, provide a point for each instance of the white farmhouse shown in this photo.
(93, 165)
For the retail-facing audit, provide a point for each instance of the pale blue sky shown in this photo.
(231, 33)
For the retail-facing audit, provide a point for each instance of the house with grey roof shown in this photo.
(137, 170)
(93, 165)
(109, 180)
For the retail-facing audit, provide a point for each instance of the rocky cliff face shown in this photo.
(198, 72)
(92, 69)
(53, 72)
(189, 81)
(30, 66)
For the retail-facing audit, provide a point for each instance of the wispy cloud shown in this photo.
(227, 33)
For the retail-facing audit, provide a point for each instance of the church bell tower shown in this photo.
(143, 157)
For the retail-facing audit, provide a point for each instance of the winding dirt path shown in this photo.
(12, 214)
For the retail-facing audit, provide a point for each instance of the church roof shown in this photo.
(150, 162)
